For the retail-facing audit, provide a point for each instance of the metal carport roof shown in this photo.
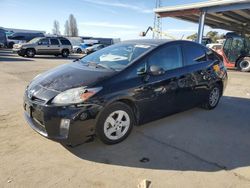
(233, 15)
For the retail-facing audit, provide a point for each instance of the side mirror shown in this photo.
(39, 43)
(156, 70)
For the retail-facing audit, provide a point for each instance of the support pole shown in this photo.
(201, 26)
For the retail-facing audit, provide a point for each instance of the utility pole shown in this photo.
(157, 22)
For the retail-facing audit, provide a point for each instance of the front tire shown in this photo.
(244, 64)
(30, 52)
(115, 123)
(212, 98)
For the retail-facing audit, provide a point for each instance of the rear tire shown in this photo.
(65, 53)
(115, 123)
(212, 98)
(30, 53)
(244, 64)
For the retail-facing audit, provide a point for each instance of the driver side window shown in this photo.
(168, 57)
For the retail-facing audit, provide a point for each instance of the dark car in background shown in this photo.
(44, 46)
(21, 37)
(109, 91)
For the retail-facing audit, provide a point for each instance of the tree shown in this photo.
(66, 28)
(73, 30)
(193, 37)
(213, 35)
(56, 28)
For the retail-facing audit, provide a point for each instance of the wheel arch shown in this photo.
(130, 102)
(65, 49)
(220, 83)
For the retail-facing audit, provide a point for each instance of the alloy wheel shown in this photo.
(116, 125)
(214, 96)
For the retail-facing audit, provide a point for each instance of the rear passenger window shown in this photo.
(65, 42)
(54, 42)
(193, 53)
(168, 58)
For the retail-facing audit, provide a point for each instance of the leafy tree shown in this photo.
(193, 37)
(213, 35)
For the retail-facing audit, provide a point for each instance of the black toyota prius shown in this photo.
(130, 83)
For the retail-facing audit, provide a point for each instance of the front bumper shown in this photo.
(19, 51)
(47, 121)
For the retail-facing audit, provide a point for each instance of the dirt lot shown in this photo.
(196, 148)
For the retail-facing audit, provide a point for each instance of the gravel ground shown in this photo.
(195, 148)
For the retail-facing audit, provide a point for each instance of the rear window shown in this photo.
(65, 42)
(193, 53)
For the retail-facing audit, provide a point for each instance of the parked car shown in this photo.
(17, 38)
(81, 48)
(3, 39)
(214, 46)
(94, 48)
(107, 41)
(44, 46)
(236, 52)
(145, 80)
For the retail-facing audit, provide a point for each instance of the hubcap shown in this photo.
(30, 52)
(214, 96)
(116, 125)
(244, 64)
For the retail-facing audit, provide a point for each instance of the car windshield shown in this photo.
(34, 40)
(117, 56)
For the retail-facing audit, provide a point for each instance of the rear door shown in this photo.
(54, 46)
(193, 87)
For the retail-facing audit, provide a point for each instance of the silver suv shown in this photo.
(44, 46)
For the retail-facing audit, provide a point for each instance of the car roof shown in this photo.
(153, 42)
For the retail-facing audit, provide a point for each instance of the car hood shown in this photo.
(66, 77)
(25, 45)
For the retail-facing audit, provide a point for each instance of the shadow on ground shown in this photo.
(9, 58)
(196, 140)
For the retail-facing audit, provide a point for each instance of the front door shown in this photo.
(43, 46)
(157, 93)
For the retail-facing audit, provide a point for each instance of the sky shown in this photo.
(123, 19)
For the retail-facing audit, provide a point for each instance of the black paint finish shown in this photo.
(150, 96)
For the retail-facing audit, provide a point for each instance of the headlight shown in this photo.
(75, 95)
